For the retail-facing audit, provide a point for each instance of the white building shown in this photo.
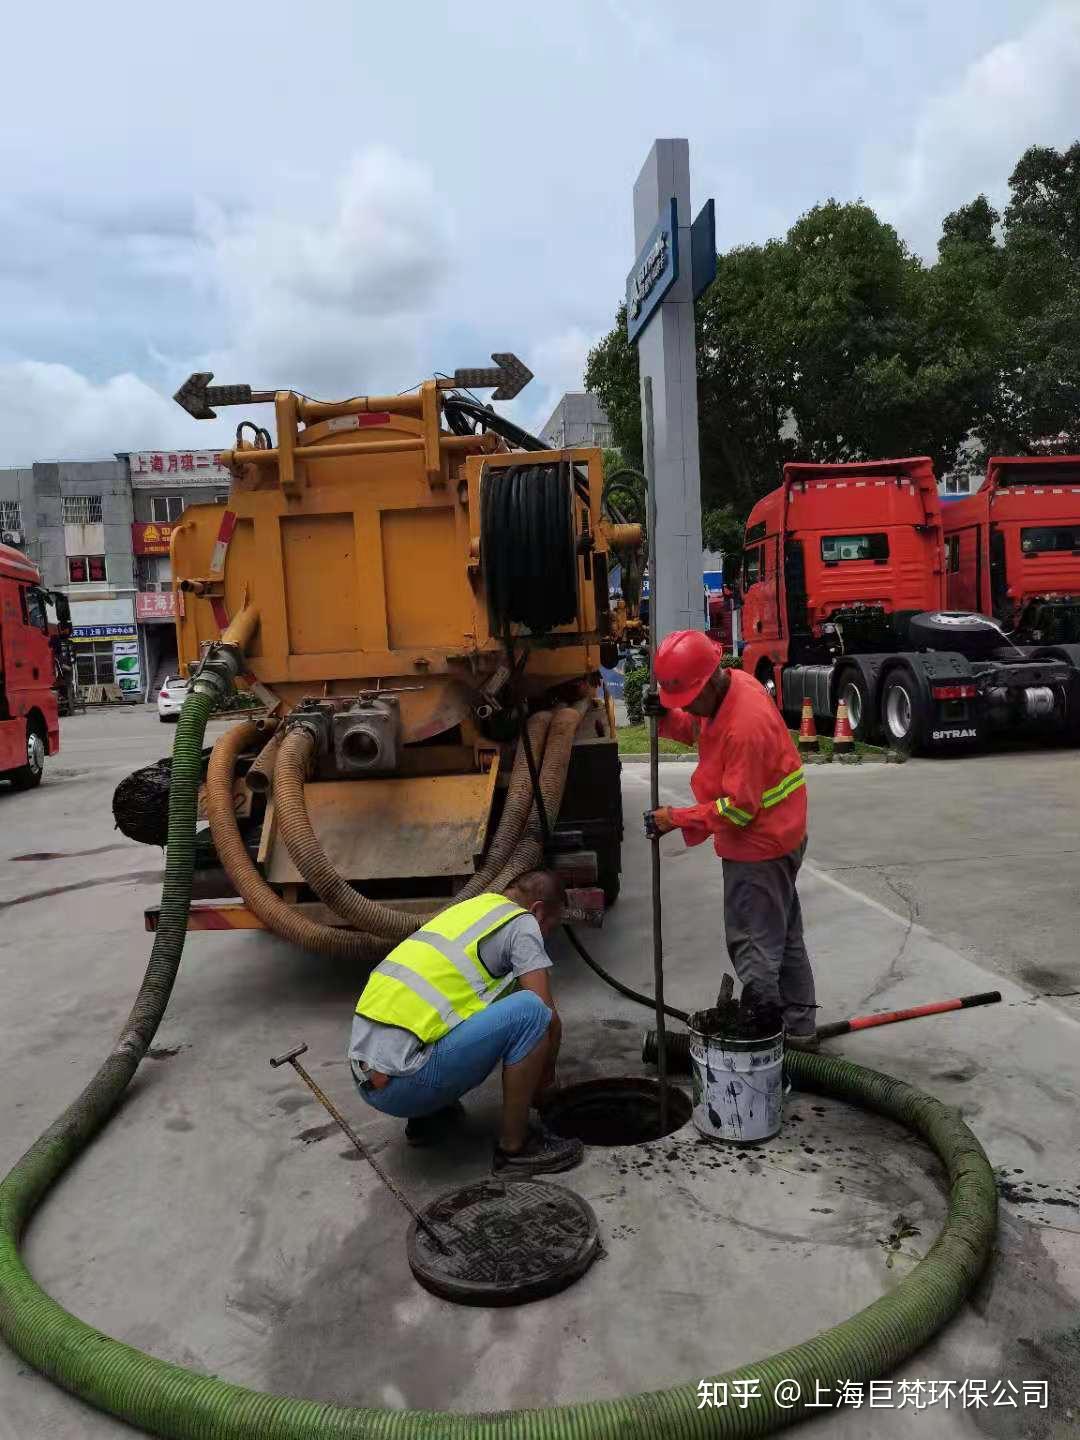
(578, 419)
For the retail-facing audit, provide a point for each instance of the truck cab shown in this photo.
(1012, 550)
(839, 555)
(29, 723)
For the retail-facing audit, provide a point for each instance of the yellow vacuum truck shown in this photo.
(419, 593)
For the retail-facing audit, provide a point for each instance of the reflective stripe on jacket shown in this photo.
(435, 979)
(749, 781)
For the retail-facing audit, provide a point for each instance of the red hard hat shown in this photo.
(685, 661)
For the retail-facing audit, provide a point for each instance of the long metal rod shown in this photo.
(399, 1195)
(654, 765)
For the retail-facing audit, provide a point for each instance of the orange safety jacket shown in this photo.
(749, 778)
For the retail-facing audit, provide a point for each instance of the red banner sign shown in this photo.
(151, 538)
(155, 605)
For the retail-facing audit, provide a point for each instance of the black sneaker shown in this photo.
(797, 1040)
(430, 1129)
(542, 1154)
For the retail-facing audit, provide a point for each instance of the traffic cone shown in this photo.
(808, 736)
(843, 740)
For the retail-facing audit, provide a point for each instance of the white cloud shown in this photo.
(331, 303)
(53, 412)
(1019, 93)
(333, 299)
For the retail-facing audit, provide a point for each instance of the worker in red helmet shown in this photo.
(751, 799)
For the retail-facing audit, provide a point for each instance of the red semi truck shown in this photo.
(29, 727)
(844, 597)
(1012, 550)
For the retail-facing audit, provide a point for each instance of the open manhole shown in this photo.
(618, 1110)
(504, 1242)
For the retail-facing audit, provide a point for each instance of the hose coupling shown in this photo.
(217, 670)
(313, 722)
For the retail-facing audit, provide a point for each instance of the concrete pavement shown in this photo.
(219, 1223)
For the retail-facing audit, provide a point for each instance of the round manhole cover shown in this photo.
(507, 1241)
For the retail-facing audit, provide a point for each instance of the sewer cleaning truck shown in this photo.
(420, 592)
(844, 597)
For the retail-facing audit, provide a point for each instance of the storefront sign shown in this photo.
(152, 469)
(156, 605)
(151, 537)
(102, 620)
(84, 633)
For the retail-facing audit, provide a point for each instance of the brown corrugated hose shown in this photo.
(260, 778)
(290, 814)
(529, 853)
(276, 915)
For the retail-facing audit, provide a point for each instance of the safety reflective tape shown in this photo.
(453, 952)
(221, 545)
(479, 927)
(730, 811)
(783, 790)
(444, 1008)
(214, 917)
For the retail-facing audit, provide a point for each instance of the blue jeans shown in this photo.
(508, 1030)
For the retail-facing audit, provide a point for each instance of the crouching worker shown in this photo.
(433, 1022)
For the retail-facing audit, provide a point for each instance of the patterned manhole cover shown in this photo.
(506, 1242)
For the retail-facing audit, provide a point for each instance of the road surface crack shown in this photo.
(893, 971)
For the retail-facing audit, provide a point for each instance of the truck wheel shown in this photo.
(902, 713)
(27, 776)
(852, 690)
(972, 635)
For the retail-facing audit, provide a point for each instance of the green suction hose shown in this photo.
(169, 1401)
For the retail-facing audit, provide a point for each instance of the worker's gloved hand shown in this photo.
(651, 706)
(659, 822)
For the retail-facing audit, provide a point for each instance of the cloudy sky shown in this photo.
(339, 197)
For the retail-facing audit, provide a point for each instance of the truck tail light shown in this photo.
(164, 694)
(953, 692)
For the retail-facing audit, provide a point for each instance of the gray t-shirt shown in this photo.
(517, 947)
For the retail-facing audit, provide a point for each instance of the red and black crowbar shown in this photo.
(890, 1017)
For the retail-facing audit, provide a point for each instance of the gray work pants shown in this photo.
(763, 927)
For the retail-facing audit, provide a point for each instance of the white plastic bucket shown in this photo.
(738, 1086)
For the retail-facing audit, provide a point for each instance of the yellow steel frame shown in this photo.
(346, 478)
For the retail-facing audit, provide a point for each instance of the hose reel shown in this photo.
(528, 547)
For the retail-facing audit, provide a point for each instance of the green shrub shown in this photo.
(635, 683)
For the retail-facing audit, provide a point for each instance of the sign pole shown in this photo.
(675, 262)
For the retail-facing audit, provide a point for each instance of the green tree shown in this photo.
(611, 373)
(722, 529)
(1037, 400)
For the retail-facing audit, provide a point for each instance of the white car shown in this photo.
(171, 697)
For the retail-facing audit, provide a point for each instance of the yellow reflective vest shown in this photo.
(434, 979)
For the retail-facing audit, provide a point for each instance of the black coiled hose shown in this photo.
(527, 547)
